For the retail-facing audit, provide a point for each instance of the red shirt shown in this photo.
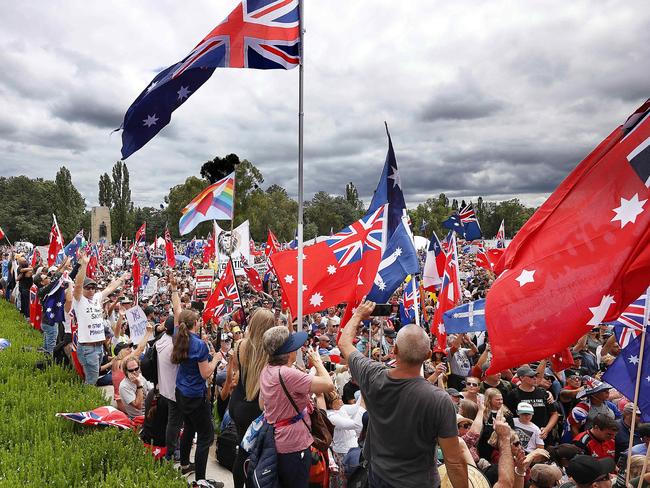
(593, 447)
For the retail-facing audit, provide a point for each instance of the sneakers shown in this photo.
(208, 484)
(189, 469)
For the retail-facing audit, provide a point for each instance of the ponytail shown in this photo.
(187, 321)
(181, 344)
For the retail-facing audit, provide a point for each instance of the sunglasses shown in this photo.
(471, 384)
(465, 425)
(90, 287)
(134, 370)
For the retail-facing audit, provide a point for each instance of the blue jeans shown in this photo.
(90, 357)
(50, 333)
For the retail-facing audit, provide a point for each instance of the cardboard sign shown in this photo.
(204, 280)
(137, 321)
(151, 288)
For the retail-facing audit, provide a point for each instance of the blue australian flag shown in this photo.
(622, 374)
(54, 303)
(72, 248)
(389, 191)
(468, 317)
(400, 259)
(259, 34)
(453, 223)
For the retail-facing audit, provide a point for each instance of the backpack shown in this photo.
(227, 446)
(262, 465)
(149, 364)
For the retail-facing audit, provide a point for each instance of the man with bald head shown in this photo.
(408, 416)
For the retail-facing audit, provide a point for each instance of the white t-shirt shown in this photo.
(90, 318)
(128, 391)
(166, 369)
(529, 435)
(67, 322)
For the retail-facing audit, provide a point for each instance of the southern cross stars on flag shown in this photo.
(260, 34)
(582, 258)
(339, 269)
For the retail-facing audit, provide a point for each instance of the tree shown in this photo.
(219, 168)
(155, 219)
(352, 196)
(329, 213)
(122, 207)
(105, 191)
(68, 204)
(272, 209)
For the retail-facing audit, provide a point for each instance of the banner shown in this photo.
(204, 279)
(240, 239)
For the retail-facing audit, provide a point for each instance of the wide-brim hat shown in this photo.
(293, 343)
(592, 386)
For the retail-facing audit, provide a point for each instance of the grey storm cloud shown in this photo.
(494, 99)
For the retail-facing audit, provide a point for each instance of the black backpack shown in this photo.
(227, 446)
(149, 364)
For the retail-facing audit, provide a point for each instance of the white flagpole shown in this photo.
(415, 299)
(300, 161)
(639, 369)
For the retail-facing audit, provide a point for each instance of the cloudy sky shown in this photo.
(498, 99)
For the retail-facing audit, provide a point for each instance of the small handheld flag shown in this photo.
(213, 203)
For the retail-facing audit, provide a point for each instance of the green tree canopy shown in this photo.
(122, 208)
(68, 204)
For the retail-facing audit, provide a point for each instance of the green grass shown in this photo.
(39, 449)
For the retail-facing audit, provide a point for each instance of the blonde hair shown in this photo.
(636, 465)
(490, 393)
(252, 356)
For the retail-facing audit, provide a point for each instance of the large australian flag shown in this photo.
(259, 34)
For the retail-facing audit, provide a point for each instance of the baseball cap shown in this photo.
(587, 469)
(236, 329)
(122, 345)
(525, 371)
(525, 407)
(88, 282)
(545, 475)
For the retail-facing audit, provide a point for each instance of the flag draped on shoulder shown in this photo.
(339, 269)
(259, 34)
(595, 227)
(213, 203)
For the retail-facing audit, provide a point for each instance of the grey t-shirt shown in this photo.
(128, 390)
(406, 417)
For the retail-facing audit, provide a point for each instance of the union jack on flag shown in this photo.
(108, 416)
(366, 234)
(630, 324)
(225, 297)
(467, 214)
(258, 34)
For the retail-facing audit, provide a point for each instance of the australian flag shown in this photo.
(630, 323)
(622, 374)
(399, 260)
(53, 304)
(407, 306)
(72, 248)
(258, 34)
(389, 190)
(472, 230)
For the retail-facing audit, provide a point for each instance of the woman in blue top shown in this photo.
(197, 361)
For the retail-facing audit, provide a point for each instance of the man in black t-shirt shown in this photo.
(528, 391)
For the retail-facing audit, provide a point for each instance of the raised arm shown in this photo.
(81, 275)
(506, 461)
(346, 341)
(115, 284)
(176, 299)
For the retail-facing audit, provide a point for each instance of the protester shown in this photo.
(133, 388)
(197, 361)
(529, 434)
(599, 440)
(408, 415)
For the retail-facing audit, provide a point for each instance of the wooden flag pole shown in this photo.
(639, 370)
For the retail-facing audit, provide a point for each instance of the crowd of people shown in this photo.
(401, 410)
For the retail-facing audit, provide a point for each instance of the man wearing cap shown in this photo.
(622, 440)
(594, 401)
(455, 396)
(87, 305)
(529, 434)
(544, 476)
(589, 472)
(545, 416)
(408, 415)
(598, 441)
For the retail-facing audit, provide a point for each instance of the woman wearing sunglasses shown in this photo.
(133, 388)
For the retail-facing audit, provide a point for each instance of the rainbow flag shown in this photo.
(213, 203)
